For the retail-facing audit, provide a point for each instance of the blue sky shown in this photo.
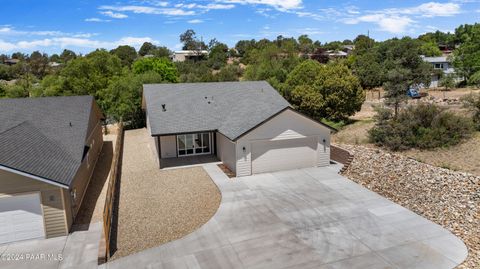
(51, 26)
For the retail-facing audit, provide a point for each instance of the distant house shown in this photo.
(348, 49)
(11, 61)
(183, 55)
(54, 64)
(440, 63)
(334, 54)
(48, 150)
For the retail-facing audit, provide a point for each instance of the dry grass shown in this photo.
(463, 157)
(157, 206)
(354, 134)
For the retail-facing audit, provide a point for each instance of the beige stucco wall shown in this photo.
(286, 125)
(51, 199)
(226, 151)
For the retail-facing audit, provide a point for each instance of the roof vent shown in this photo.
(164, 108)
(70, 123)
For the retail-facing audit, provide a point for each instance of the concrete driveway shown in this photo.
(77, 250)
(308, 218)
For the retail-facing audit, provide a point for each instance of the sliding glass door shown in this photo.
(194, 144)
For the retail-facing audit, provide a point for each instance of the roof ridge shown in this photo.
(13, 126)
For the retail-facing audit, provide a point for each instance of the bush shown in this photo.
(472, 102)
(422, 126)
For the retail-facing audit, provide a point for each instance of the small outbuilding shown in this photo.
(246, 125)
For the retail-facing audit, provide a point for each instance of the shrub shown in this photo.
(422, 126)
(472, 102)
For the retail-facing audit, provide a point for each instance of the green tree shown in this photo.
(38, 64)
(430, 49)
(363, 44)
(474, 79)
(190, 41)
(467, 55)
(472, 102)
(333, 93)
(231, 72)
(305, 44)
(164, 67)
(404, 69)
(122, 99)
(147, 48)
(127, 54)
(218, 54)
(369, 69)
(84, 75)
(67, 55)
(447, 81)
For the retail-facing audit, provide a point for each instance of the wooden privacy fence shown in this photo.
(341, 156)
(104, 250)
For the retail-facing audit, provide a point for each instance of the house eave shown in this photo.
(25, 174)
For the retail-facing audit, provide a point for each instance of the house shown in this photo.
(348, 49)
(183, 55)
(246, 125)
(11, 61)
(440, 64)
(48, 150)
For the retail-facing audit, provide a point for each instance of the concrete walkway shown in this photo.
(309, 218)
(77, 250)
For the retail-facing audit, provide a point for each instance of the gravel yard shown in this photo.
(449, 198)
(157, 206)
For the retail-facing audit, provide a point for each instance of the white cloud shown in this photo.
(401, 20)
(114, 15)
(73, 42)
(389, 23)
(149, 10)
(96, 20)
(195, 21)
(282, 5)
(7, 30)
(430, 9)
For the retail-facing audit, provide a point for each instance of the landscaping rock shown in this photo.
(449, 198)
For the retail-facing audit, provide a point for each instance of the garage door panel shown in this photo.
(268, 156)
(21, 218)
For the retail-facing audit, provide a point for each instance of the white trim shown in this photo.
(33, 177)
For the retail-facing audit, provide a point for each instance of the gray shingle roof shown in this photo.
(232, 108)
(46, 136)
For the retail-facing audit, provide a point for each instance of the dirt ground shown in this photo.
(463, 157)
(157, 206)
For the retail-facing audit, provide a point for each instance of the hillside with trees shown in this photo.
(324, 80)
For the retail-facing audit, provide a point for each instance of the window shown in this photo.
(438, 66)
(193, 144)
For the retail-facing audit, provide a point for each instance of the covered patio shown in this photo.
(171, 163)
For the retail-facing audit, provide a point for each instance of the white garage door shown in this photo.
(21, 218)
(269, 156)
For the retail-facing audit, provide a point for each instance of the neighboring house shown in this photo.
(247, 125)
(11, 61)
(336, 54)
(440, 64)
(48, 150)
(183, 55)
(348, 49)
